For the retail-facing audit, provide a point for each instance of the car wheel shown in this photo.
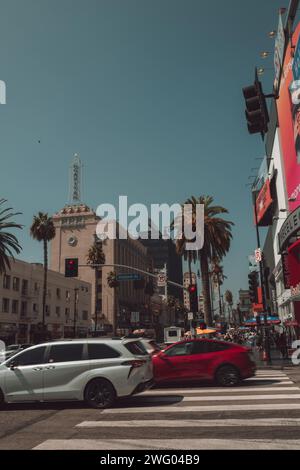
(100, 393)
(227, 376)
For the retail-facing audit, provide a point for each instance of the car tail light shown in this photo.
(134, 363)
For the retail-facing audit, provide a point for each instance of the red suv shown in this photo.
(225, 363)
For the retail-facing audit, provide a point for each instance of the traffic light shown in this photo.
(71, 267)
(256, 108)
(193, 298)
(253, 285)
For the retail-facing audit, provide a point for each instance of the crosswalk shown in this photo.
(261, 413)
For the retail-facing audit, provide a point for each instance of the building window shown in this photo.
(47, 310)
(67, 295)
(23, 308)
(36, 287)
(57, 311)
(24, 287)
(16, 283)
(6, 281)
(35, 308)
(84, 315)
(67, 314)
(58, 293)
(5, 305)
(15, 306)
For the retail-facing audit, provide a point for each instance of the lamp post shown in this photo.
(75, 310)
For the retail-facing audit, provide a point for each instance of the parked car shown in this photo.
(203, 359)
(95, 370)
(150, 345)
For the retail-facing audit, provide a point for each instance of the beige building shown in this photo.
(21, 290)
(112, 308)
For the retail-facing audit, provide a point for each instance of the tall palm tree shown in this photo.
(218, 277)
(43, 230)
(229, 301)
(8, 242)
(217, 239)
(96, 256)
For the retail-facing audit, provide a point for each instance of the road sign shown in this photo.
(258, 255)
(161, 280)
(190, 316)
(128, 277)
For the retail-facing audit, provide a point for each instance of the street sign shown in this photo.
(128, 277)
(190, 316)
(258, 255)
(161, 280)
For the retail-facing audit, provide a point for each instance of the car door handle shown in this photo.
(50, 367)
(37, 368)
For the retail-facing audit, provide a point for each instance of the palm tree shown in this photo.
(8, 242)
(229, 301)
(218, 277)
(217, 238)
(43, 230)
(96, 256)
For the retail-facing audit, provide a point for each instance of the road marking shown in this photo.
(191, 423)
(281, 396)
(188, 391)
(200, 408)
(264, 379)
(182, 444)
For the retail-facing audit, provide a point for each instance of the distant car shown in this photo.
(95, 370)
(203, 359)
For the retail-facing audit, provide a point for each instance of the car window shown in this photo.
(65, 353)
(136, 348)
(200, 347)
(30, 358)
(182, 349)
(215, 347)
(101, 351)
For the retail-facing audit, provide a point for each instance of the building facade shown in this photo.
(68, 304)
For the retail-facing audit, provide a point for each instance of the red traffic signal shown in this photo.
(71, 267)
(193, 298)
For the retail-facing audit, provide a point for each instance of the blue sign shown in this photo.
(296, 63)
(128, 277)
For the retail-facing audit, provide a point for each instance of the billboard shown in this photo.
(288, 107)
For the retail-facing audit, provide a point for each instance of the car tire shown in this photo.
(228, 376)
(100, 394)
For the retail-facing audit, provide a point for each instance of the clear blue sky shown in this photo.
(148, 92)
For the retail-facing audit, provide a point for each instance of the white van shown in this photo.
(173, 334)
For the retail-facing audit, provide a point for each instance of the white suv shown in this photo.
(97, 371)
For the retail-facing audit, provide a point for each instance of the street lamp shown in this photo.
(75, 309)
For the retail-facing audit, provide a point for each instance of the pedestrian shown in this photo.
(282, 346)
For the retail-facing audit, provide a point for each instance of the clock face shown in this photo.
(72, 241)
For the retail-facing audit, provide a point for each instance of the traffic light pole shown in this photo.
(262, 283)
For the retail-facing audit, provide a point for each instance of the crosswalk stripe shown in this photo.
(265, 379)
(200, 408)
(244, 397)
(188, 391)
(182, 444)
(187, 423)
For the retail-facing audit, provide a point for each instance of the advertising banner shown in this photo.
(288, 107)
(263, 202)
(279, 51)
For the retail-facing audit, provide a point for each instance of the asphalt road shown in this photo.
(263, 413)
